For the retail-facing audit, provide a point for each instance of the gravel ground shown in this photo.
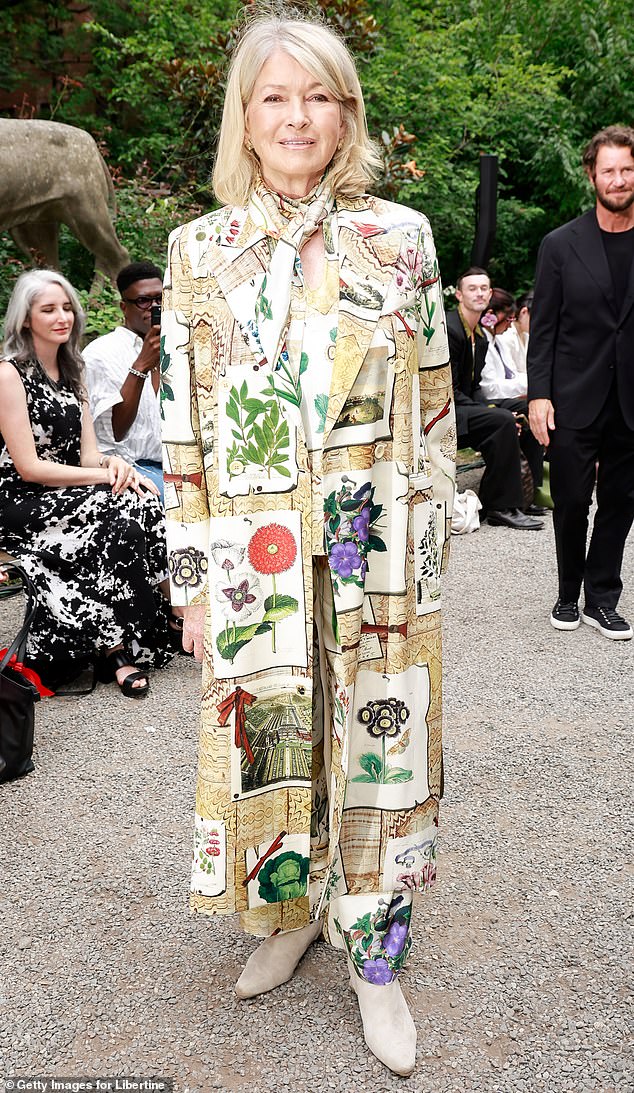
(521, 975)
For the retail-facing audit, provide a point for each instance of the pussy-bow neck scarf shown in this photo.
(288, 223)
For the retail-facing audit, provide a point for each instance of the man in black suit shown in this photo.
(492, 430)
(581, 384)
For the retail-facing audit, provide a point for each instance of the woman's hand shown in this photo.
(194, 630)
(123, 476)
(120, 474)
(146, 485)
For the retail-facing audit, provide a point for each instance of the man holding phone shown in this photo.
(122, 374)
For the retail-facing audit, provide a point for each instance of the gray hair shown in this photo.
(18, 341)
(321, 52)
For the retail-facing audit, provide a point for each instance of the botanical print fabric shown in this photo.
(311, 342)
(318, 551)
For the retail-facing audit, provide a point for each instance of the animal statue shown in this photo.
(52, 174)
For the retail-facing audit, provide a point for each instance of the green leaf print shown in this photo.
(428, 329)
(167, 393)
(262, 434)
(372, 765)
(321, 409)
(279, 607)
(397, 774)
(283, 385)
(231, 640)
(263, 305)
(233, 412)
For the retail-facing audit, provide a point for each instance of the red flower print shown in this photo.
(272, 549)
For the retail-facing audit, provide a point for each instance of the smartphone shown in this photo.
(155, 315)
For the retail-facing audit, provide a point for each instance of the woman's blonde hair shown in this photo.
(321, 52)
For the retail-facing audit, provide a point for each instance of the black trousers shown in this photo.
(531, 448)
(574, 454)
(493, 431)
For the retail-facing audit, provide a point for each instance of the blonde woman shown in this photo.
(309, 451)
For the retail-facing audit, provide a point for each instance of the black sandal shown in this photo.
(108, 674)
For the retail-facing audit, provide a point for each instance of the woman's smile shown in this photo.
(294, 124)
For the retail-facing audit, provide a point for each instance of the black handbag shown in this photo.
(17, 697)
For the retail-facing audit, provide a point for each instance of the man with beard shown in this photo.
(581, 385)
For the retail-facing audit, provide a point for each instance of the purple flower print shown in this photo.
(395, 938)
(361, 524)
(377, 971)
(352, 531)
(239, 597)
(344, 557)
(364, 494)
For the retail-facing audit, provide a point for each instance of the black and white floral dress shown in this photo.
(95, 559)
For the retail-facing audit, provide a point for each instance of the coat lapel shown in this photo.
(589, 247)
(367, 253)
(366, 256)
(629, 297)
(239, 269)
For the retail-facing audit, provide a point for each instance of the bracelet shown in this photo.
(135, 372)
(102, 460)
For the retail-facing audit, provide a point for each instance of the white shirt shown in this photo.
(108, 360)
(516, 341)
(500, 378)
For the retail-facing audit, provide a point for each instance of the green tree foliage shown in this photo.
(528, 80)
(445, 80)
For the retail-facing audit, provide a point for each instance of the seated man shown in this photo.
(502, 384)
(122, 375)
(491, 430)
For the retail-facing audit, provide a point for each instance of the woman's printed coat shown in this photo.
(240, 498)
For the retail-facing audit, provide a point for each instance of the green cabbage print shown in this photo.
(283, 877)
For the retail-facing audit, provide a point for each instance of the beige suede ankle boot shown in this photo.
(275, 960)
(389, 1030)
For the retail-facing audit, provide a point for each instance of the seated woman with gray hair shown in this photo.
(310, 437)
(86, 527)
